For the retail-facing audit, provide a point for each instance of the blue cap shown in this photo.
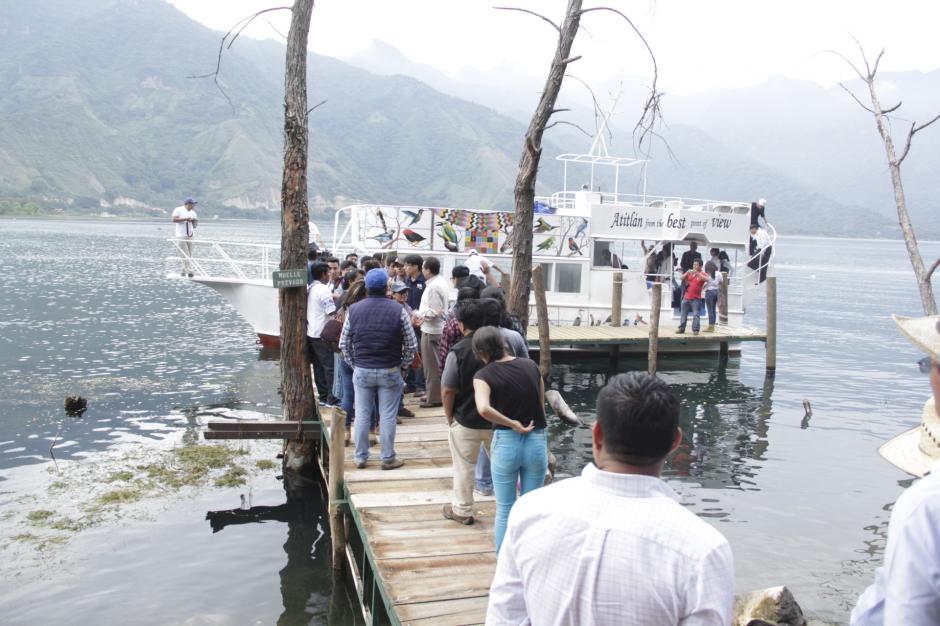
(190, 200)
(376, 279)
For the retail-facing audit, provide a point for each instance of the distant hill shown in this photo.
(99, 114)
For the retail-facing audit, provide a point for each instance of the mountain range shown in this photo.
(99, 111)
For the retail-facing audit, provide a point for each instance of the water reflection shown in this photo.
(309, 592)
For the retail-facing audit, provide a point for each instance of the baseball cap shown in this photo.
(376, 279)
(190, 200)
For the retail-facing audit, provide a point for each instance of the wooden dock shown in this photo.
(585, 336)
(410, 565)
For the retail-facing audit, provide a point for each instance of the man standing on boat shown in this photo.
(762, 250)
(479, 267)
(692, 281)
(185, 219)
(615, 546)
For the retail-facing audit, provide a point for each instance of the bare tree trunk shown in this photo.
(524, 190)
(296, 382)
(894, 165)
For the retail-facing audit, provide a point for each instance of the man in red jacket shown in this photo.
(694, 280)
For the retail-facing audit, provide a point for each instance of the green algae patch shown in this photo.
(121, 476)
(265, 464)
(120, 496)
(233, 477)
(24, 537)
(39, 516)
(213, 457)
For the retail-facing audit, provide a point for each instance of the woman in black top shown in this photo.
(509, 392)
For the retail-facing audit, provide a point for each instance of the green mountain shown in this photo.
(99, 112)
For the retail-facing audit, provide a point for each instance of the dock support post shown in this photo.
(656, 301)
(771, 286)
(337, 457)
(723, 300)
(541, 314)
(616, 301)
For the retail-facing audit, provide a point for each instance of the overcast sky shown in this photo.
(699, 44)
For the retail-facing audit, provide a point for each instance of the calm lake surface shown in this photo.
(85, 309)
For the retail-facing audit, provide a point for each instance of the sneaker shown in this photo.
(360, 464)
(397, 420)
(710, 328)
(448, 511)
(430, 405)
(695, 332)
(483, 493)
(681, 331)
(409, 389)
(190, 274)
(394, 463)
(405, 412)
(183, 273)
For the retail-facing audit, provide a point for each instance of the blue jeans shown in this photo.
(385, 385)
(711, 303)
(696, 308)
(345, 375)
(515, 458)
(482, 475)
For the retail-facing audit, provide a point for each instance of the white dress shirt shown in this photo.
(762, 238)
(609, 548)
(184, 229)
(906, 591)
(433, 307)
(319, 305)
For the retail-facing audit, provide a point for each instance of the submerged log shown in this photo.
(775, 606)
(561, 408)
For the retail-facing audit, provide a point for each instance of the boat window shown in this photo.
(546, 274)
(568, 277)
(621, 254)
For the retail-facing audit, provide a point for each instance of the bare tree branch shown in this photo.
(316, 106)
(849, 63)
(597, 107)
(567, 123)
(893, 109)
(910, 136)
(233, 34)
(854, 97)
(274, 28)
(571, 60)
(651, 112)
(538, 15)
(931, 270)
(861, 49)
(554, 111)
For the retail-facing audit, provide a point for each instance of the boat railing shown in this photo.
(566, 201)
(751, 279)
(225, 259)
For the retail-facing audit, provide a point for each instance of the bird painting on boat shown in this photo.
(448, 233)
(413, 237)
(384, 237)
(541, 226)
(381, 216)
(574, 247)
(451, 246)
(414, 216)
(545, 245)
(581, 228)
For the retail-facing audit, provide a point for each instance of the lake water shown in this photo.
(85, 309)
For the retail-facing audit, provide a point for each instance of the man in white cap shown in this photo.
(479, 267)
(906, 590)
(185, 219)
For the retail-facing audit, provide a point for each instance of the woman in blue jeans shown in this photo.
(509, 392)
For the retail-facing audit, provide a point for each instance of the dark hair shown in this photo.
(332, 259)
(378, 256)
(460, 271)
(394, 263)
(638, 415)
(697, 260)
(714, 251)
(467, 293)
(370, 264)
(470, 314)
(355, 293)
(432, 265)
(488, 344)
(493, 312)
(345, 265)
(496, 293)
(355, 254)
(350, 277)
(318, 270)
(414, 259)
(312, 255)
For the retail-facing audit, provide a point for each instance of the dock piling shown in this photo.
(771, 324)
(656, 301)
(616, 301)
(541, 312)
(336, 479)
(723, 300)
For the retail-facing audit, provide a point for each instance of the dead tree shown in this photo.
(882, 122)
(296, 381)
(524, 190)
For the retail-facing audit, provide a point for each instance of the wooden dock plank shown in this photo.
(457, 612)
(424, 579)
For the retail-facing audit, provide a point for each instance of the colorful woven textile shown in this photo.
(473, 220)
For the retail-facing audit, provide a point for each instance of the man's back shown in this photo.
(610, 548)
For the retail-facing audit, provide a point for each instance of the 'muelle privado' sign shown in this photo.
(289, 278)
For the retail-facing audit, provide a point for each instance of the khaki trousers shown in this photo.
(464, 448)
(430, 345)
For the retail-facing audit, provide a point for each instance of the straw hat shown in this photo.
(917, 449)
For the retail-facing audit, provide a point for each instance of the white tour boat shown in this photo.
(580, 238)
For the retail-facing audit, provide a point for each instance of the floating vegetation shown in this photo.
(122, 476)
(234, 477)
(120, 496)
(38, 516)
(75, 406)
(265, 464)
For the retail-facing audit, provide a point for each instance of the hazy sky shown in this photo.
(699, 44)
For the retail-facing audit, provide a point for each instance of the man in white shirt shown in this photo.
(320, 306)
(906, 591)
(479, 267)
(615, 546)
(430, 315)
(185, 219)
(761, 251)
